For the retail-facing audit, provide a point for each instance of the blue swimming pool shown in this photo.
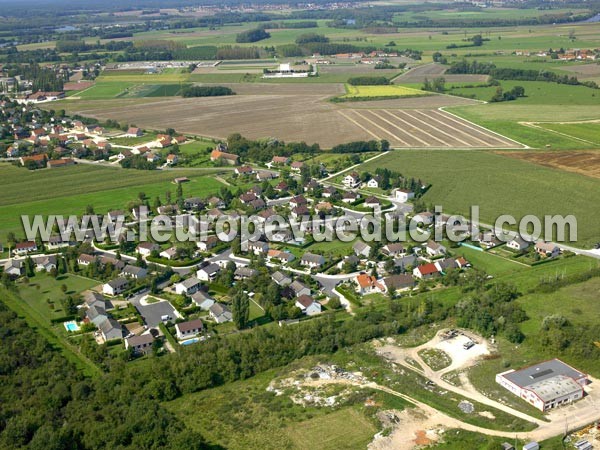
(71, 326)
(190, 341)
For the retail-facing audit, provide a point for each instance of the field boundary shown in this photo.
(524, 146)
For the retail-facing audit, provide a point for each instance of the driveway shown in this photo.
(153, 312)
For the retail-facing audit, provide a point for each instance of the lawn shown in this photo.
(43, 289)
(68, 191)
(392, 91)
(492, 264)
(460, 179)
(579, 303)
(343, 429)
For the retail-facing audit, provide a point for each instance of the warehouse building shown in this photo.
(546, 385)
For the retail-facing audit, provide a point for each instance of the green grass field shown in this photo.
(70, 190)
(587, 131)
(43, 287)
(104, 90)
(499, 185)
(393, 91)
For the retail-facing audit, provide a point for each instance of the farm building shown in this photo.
(546, 385)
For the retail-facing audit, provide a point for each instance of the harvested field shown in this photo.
(434, 70)
(301, 112)
(585, 163)
(424, 128)
(584, 70)
(77, 85)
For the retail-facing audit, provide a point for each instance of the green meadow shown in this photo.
(70, 190)
(499, 185)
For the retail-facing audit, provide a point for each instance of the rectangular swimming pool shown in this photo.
(71, 325)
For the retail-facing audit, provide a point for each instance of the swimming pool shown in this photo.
(71, 325)
(190, 341)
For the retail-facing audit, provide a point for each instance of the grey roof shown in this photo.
(211, 268)
(16, 263)
(143, 339)
(96, 314)
(111, 329)
(245, 272)
(190, 282)
(92, 298)
(555, 387)
(542, 371)
(190, 325)
(218, 308)
(298, 286)
(117, 282)
(281, 278)
(399, 281)
(313, 258)
(360, 246)
(134, 270)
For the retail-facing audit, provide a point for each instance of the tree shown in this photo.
(240, 309)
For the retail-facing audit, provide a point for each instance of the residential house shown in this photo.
(227, 158)
(208, 272)
(22, 248)
(308, 305)
(281, 279)
(443, 265)
(146, 248)
(426, 271)
(350, 197)
(298, 200)
(188, 329)
(188, 286)
(352, 180)
(401, 282)
(170, 253)
(14, 268)
(328, 191)
(85, 259)
(280, 160)
(435, 249)
(115, 287)
(258, 247)
(300, 211)
(547, 249)
(312, 260)
(296, 166)
(220, 313)
(172, 159)
(56, 242)
(134, 132)
(518, 243)
(299, 288)
(124, 154)
(193, 203)
(208, 244)
(96, 314)
(216, 202)
(395, 249)
(374, 182)
(244, 170)
(405, 262)
(361, 249)
(367, 284)
(241, 273)
(140, 344)
(425, 218)
(202, 300)
(44, 263)
(135, 272)
(403, 195)
(111, 329)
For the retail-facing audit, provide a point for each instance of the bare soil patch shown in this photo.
(585, 163)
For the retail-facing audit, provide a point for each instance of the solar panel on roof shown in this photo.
(541, 374)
